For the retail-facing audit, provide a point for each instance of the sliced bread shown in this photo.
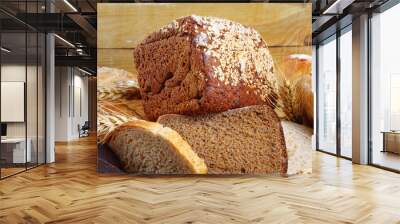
(110, 115)
(298, 146)
(149, 148)
(245, 140)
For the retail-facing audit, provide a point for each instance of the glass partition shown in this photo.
(22, 88)
(346, 93)
(385, 89)
(31, 98)
(13, 94)
(327, 96)
(41, 97)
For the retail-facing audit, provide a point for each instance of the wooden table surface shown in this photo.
(285, 27)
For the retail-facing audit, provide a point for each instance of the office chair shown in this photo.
(84, 130)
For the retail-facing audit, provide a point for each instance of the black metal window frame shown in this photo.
(334, 37)
(30, 29)
(389, 4)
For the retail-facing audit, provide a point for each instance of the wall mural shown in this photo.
(204, 88)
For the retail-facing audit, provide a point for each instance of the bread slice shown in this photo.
(149, 148)
(298, 146)
(110, 115)
(245, 140)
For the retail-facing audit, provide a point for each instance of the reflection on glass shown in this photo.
(31, 97)
(346, 94)
(13, 84)
(385, 114)
(41, 99)
(22, 91)
(327, 97)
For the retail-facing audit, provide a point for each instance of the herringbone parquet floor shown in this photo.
(70, 191)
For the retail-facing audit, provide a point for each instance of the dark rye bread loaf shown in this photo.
(196, 65)
(245, 140)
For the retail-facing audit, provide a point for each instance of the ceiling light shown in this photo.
(333, 6)
(65, 41)
(80, 51)
(337, 7)
(5, 50)
(84, 71)
(70, 5)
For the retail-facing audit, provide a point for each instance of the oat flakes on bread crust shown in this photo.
(198, 65)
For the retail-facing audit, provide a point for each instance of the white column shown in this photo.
(50, 99)
(360, 90)
(63, 99)
(50, 92)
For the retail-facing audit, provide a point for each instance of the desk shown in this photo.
(13, 150)
(391, 141)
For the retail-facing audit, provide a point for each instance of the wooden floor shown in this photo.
(10, 171)
(70, 191)
(387, 159)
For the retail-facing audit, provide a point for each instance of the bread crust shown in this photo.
(197, 65)
(181, 147)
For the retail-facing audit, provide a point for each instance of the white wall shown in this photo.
(14, 73)
(81, 108)
(61, 103)
(33, 127)
(70, 83)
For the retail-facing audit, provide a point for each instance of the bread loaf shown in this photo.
(296, 100)
(304, 98)
(245, 140)
(296, 65)
(149, 148)
(196, 65)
